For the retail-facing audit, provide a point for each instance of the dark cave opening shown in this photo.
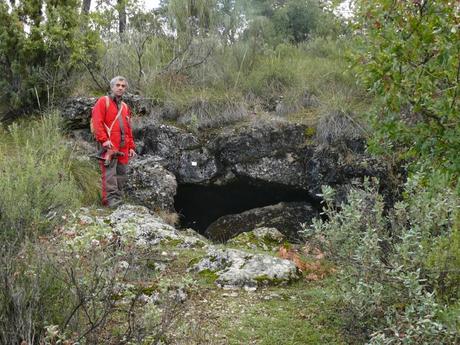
(200, 205)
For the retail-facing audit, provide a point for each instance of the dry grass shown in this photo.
(171, 218)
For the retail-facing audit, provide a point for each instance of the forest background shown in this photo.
(392, 70)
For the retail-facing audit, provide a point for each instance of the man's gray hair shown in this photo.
(118, 78)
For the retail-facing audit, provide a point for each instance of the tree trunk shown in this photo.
(86, 5)
(121, 16)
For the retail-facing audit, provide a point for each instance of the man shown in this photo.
(112, 129)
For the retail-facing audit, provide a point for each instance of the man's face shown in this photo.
(119, 88)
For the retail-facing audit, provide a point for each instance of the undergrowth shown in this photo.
(41, 179)
(399, 269)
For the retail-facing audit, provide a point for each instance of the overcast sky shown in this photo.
(149, 4)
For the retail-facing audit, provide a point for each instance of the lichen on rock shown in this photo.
(264, 238)
(235, 268)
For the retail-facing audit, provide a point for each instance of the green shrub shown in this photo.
(407, 55)
(393, 294)
(40, 178)
(443, 264)
(42, 45)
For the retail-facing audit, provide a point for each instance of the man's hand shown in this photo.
(107, 144)
(132, 153)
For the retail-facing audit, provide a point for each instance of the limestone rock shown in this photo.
(77, 112)
(286, 170)
(287, 217)
(259, 238)
(180, 152)
(150, 229)
(234, 268)
(330, 167)
(196, 166)
(150, 184)
(165, 141)
(257, 141)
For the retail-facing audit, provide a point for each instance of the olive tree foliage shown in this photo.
(409, 57)
(41, 45)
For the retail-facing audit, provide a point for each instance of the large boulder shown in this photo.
(151, 230)
(77, 112)
(287, 217)
(329, 166)
(233, 269)
(196, 166)
(132, 224)
(150, 184)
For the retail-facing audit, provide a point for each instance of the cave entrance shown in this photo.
(199, 206)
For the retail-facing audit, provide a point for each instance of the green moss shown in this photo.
(172, 242)
(249, 240)
(265, 279)
(148, 290)
(209, 275)
(193, 262)
(310, 132)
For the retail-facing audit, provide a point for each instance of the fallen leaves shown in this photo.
(313, 270)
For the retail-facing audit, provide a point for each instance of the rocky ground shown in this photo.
(256, 289)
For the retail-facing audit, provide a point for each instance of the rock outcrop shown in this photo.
(152, 230)
(286, 217)
(233, 269)
(264, 154)
(180, 152)
(150, 184)
(76, 111)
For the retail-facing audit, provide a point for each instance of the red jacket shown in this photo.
(103, 117)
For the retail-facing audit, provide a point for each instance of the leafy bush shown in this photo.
(407, 55)
(393, 294)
